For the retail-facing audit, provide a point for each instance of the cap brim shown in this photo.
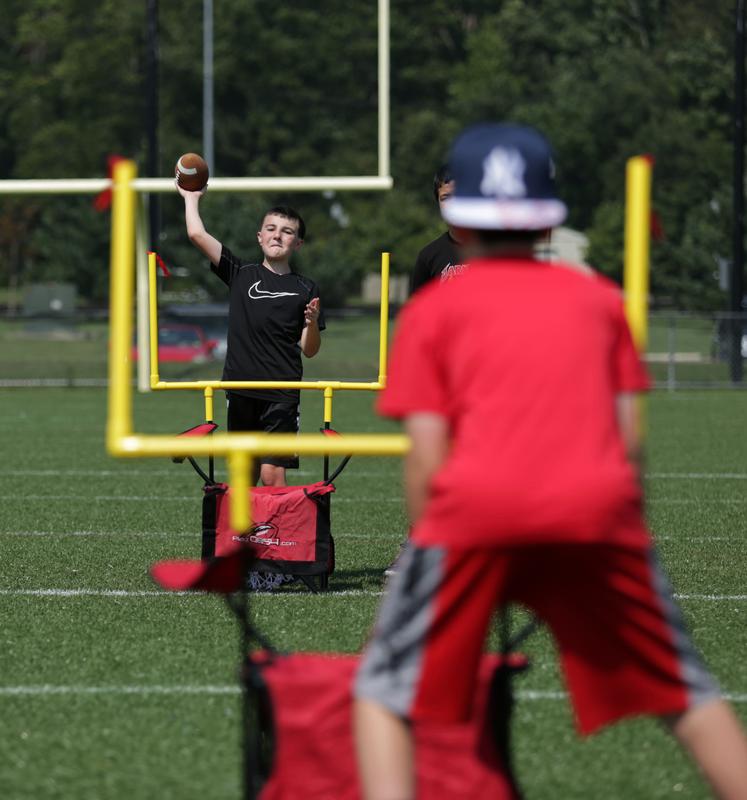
(510, 215)
(223, 574)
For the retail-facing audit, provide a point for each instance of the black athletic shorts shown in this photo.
(253, 414)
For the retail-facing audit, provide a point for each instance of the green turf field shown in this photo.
(110, 688)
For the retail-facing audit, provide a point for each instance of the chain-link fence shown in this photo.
(685, 350)
(73, 351)
(695, 350)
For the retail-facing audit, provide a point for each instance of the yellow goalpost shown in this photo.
(238, 448)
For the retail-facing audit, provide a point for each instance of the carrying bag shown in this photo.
(290, 532)
(290, 536)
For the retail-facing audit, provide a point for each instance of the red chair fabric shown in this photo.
(311, 696)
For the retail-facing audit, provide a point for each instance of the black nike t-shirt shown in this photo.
(265, 321)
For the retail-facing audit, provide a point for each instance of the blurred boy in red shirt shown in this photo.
(517, 384)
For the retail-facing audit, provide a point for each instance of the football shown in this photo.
(192, 172)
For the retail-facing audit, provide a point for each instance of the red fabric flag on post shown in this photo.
(162, 265)
(103, 200)
(656, 228)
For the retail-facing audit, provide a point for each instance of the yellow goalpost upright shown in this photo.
(637, 244)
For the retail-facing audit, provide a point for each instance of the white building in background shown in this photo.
(565, 245)
(399, 288)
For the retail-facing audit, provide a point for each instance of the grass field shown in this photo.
(110, 688)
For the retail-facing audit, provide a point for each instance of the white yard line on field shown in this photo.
(305, 473)
(397, 535)
(107, 473)
(706, 476)
(108, 498)
(340, 537)
(88, 473)
(90, 593)
(182, 498)
(102, 497)
(703, 538)
(50, 690)
(717, 598)
(699, 501)
(533, 694)
(278, 595)
(101, 533)
(135, 593)
(138, 472)
(64, 471)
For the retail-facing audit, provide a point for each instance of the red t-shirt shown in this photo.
(524, 359)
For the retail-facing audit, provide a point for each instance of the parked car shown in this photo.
(211, 317)
(185, 343)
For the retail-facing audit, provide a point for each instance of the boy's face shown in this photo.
(445, 190)
(278, 237)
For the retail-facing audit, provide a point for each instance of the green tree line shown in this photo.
(296, 94)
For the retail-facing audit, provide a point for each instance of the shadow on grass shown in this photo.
(370, 580)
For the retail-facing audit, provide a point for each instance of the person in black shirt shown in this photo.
(274, 315)
(439, 258)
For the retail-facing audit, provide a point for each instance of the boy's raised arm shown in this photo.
(199, 237)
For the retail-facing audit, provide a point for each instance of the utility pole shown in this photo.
(736, 276)
(207, 85)
(151, 116)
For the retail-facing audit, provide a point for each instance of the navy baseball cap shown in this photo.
(504, 179)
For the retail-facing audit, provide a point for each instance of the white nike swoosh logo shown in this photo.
(259, 294)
